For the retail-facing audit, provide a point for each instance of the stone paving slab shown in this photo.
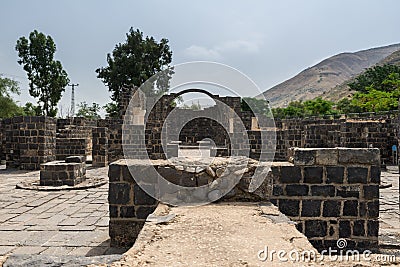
(70, 222)
(389, 216)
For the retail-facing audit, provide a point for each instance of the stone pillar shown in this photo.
(100, 147)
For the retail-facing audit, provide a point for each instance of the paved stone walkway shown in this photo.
(389, 209)
(69, 222)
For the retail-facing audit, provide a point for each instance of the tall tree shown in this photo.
(134, 62)
(47, 78)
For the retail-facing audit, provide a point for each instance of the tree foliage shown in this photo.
(313, 107)
(135, 61)
(89, 112)
(381, 91)
(9, 107)
(258, 106)
(375, 77)
(112, 110)
(47, 78)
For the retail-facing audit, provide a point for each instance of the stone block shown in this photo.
(373, 209)
(373, 228)
(296, 190)
(331, 208)
(290, 174)
(313, 175)
(359, 228)
(127, 211)
(323, 190)
(75, 159)
(327, 156)
(357, 175)
(344, 229)
(375, 174)
(359, 155)
(119, 193)
(289, 207)
(304, 156)
(350, 208)
(315, 228)
(348, 191)
(141, 197)
(311, 208)
(371, 192)
(334, 174)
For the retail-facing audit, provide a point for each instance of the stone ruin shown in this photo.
(329, 192)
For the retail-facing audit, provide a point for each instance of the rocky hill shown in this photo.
(343, 90)
(333, 72)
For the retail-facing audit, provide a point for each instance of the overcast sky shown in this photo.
(270, 41)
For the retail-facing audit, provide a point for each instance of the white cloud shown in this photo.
(200, 52)
(239, 46)
(218, 51)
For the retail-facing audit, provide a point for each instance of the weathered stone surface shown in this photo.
(75, 159)
(53, 261)
(124, 233)
(359, 155)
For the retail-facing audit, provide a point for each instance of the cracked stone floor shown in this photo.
(75, 222)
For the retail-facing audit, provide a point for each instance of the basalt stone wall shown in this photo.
(30, 141)
(77, 121)
(362, 134)
(2, 142)
(354, 131)
(66, 147)
(201, 128)
(114, 136)
(100, 147)
(331, 194)
(75, 132)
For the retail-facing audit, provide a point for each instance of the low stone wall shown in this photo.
(331, 194)
(130, 205)
(66, 147)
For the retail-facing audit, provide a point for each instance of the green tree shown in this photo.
(31, 110)
(374, 76)
(378, 89)
(346, 106)
(112, 110)
(90, 112)
(258, 106)
(318, 106)
(134, 62)
(47, 78)
(9, 107)
(315, 107)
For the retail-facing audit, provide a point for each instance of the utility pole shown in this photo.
(73, 98)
